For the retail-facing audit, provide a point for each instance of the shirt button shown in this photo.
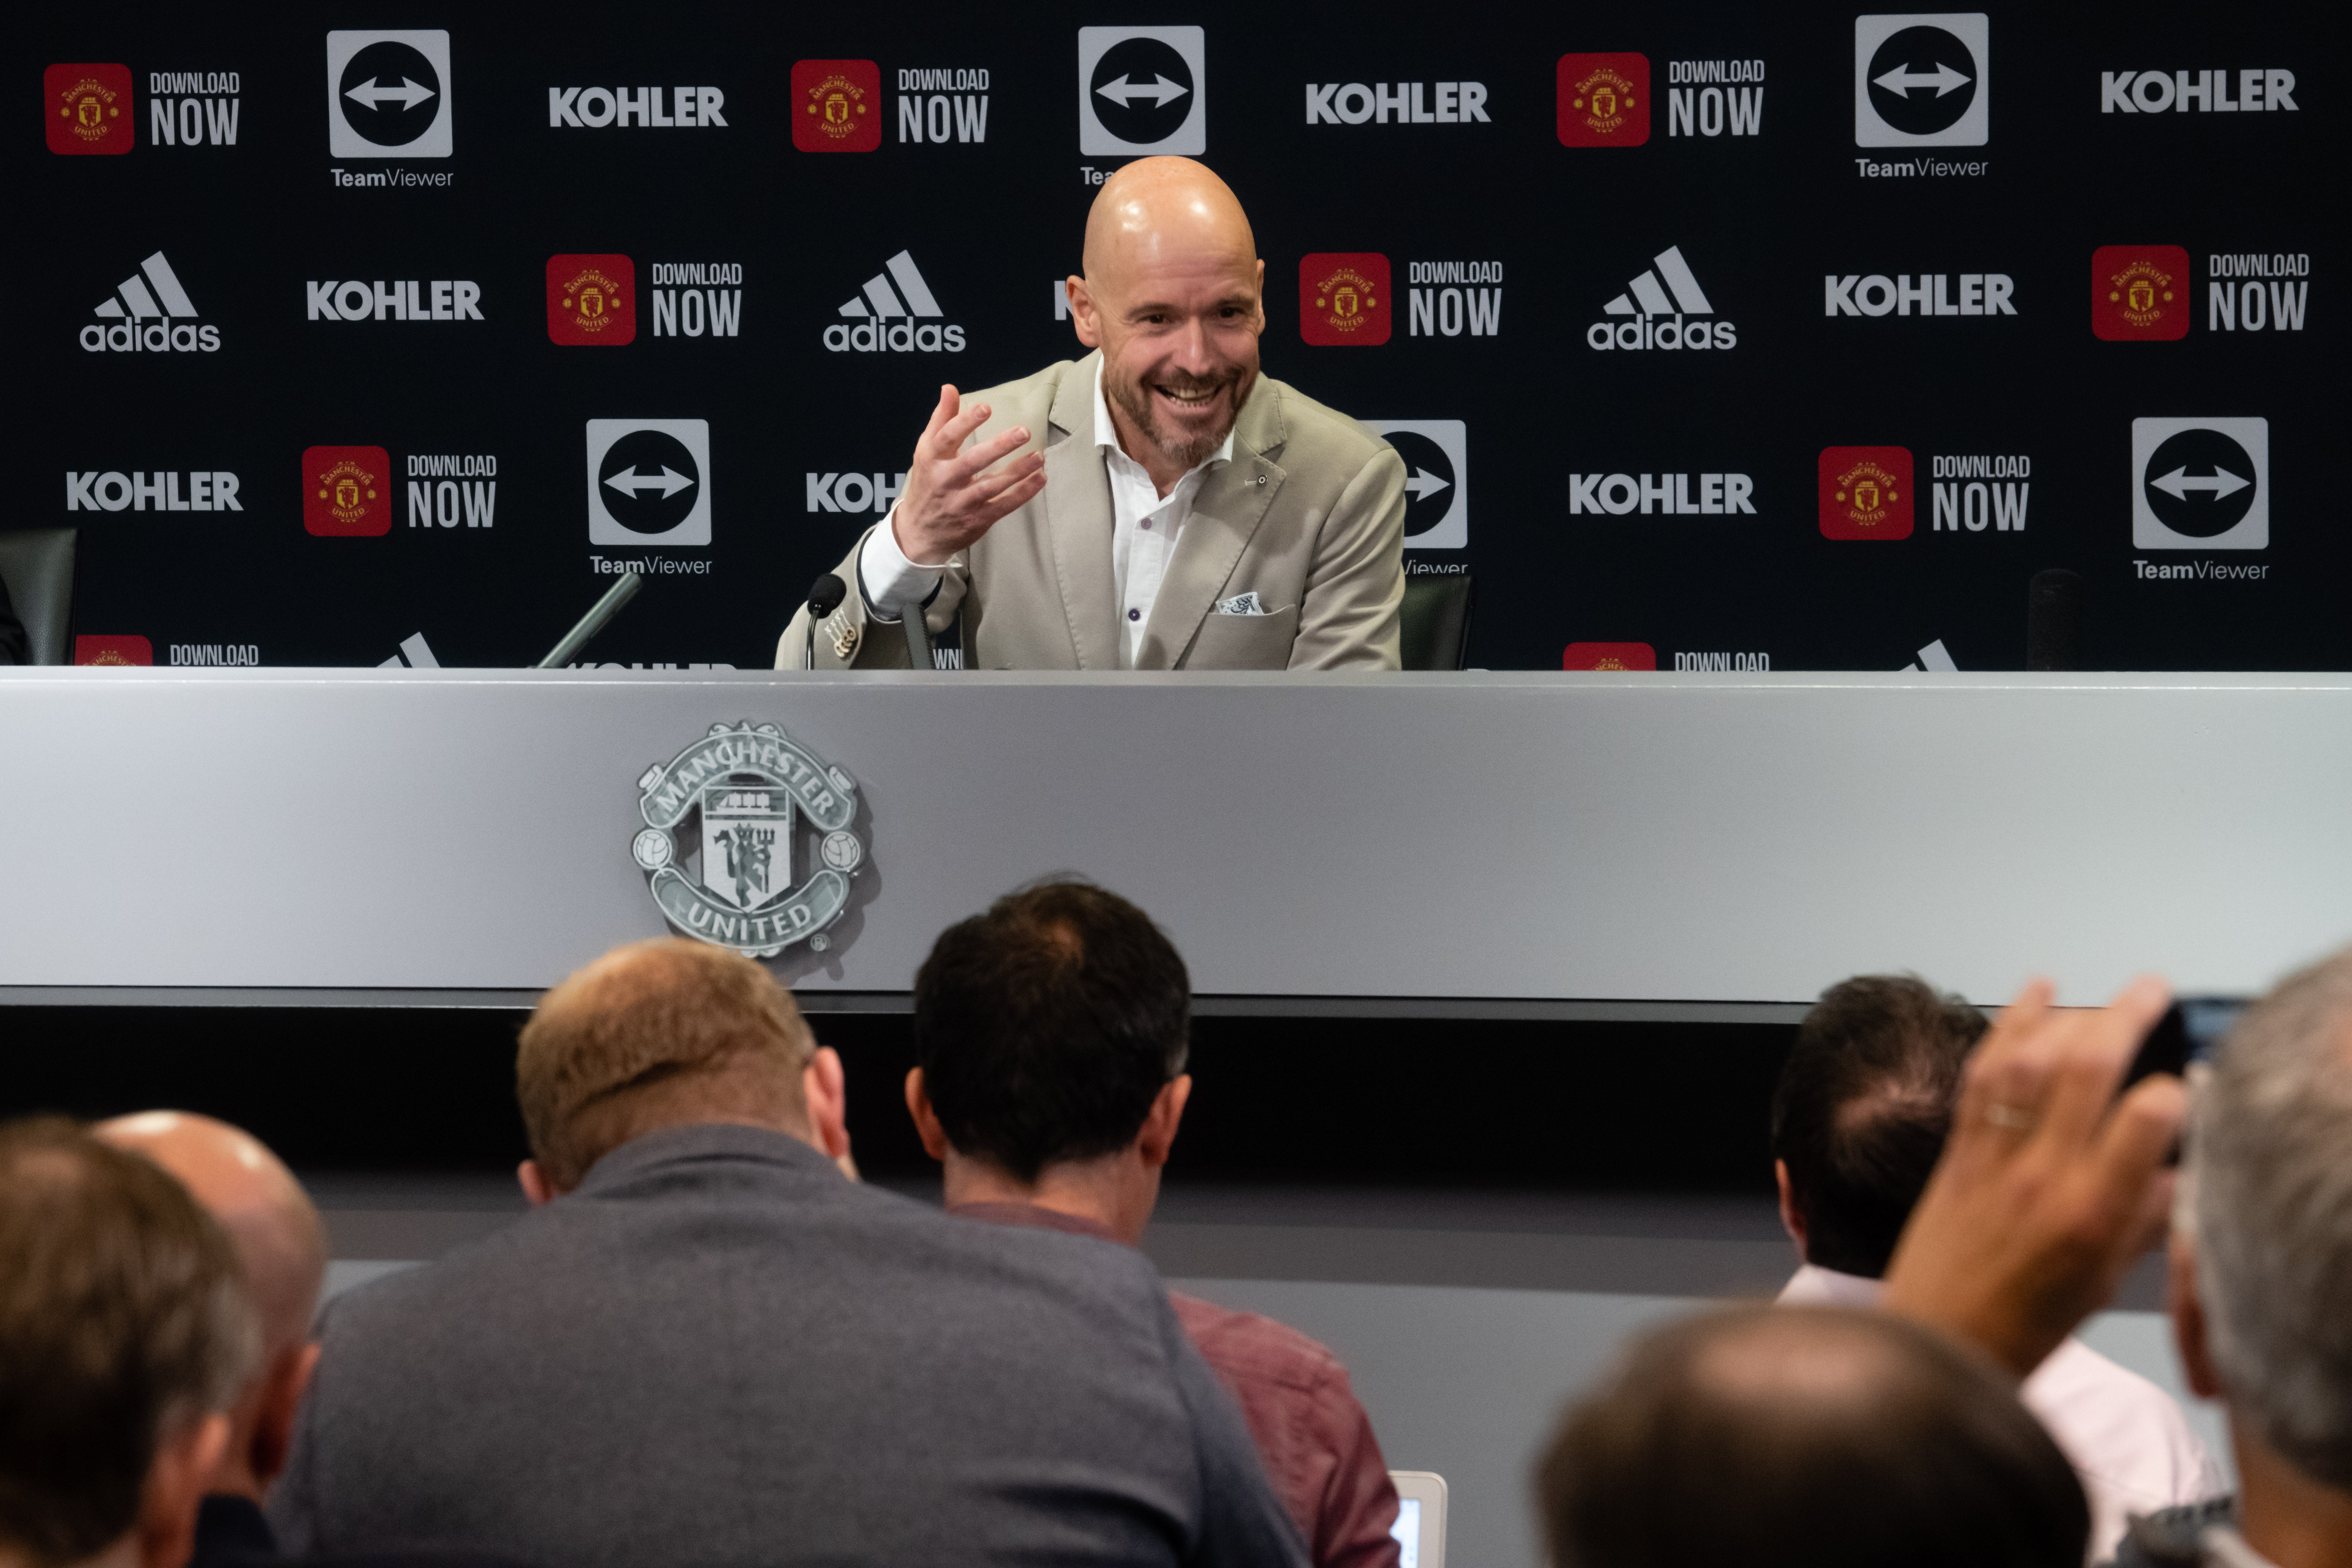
(1147, 522)
(1135, 615)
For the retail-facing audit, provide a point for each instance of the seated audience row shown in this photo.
(704, 1344)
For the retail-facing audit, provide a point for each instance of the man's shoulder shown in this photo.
(1254, 1347)
(2076, 1377)
(1314, 432)
(1036, 391)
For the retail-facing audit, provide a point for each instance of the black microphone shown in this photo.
(825, 596)
(2054, 620)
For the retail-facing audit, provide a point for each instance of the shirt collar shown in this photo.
(1106, 433)
(1813, 1285)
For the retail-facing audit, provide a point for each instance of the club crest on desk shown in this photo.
(748, 840)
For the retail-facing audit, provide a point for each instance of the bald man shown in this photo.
(1159, 505)
(282, 1249)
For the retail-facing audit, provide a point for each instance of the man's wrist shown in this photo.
(889, 581)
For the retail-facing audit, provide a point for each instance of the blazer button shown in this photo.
(1261, 478)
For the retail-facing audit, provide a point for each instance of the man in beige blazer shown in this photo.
(1159, 505)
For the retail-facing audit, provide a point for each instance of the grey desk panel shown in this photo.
(1696, 838)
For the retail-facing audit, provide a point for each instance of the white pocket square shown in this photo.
(1247, 604)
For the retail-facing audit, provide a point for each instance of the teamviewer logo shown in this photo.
(2201, 484)
(1143, 89)
(649, 481)
(388, 94)
(1922, 80)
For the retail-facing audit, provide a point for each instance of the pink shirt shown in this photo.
(1312, 1433)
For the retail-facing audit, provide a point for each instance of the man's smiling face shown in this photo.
(1173, 296)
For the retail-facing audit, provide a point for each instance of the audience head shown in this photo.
(125, 1333)
(282, 1249)
(1815, 1437)
(2262, 1244)
(662, 1034)
(1861, 1114)
(1051, 1032)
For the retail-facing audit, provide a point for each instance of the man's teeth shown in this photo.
(1190, 398)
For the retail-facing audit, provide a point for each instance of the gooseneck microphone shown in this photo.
(602, 611)
(825, 596)
(2054, 620)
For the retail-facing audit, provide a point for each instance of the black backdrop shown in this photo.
(1760, 219)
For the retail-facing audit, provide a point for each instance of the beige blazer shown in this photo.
(1309, 514)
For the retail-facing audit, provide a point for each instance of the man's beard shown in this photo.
(1135, 400)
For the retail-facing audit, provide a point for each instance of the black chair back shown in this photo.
(37, 566)
(1437, 621)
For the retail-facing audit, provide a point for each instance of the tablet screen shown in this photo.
(1407, 1530)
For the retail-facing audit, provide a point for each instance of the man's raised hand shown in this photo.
(2050, 1187)
(952, 496)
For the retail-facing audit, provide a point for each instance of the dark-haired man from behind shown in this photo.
(1861, 1115)
(1051, 1035)
(125, 1335)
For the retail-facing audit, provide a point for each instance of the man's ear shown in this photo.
(1157, 1139)
(281, 1398)
(2187, 1312)
(824, 1090)
(537, 1189)
(927, 1120)
(1792, 1218)
(1261, 296)
(1084, 316)
(174, 1489)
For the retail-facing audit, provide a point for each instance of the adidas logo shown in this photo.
(1669, 290)
(902, 318)
(149, 313)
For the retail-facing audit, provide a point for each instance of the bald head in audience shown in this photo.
(1819, 1437)
(282, 1249)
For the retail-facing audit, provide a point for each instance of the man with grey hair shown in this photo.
(125, 1334)
(2261, 1281)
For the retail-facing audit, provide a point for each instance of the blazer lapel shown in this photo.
(1227, 512)
(1078, 519)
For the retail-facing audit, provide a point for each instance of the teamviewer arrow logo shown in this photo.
(1920, 80)
(1143, 89)
(649, 481)
(2200, 484)
(388, 94)
(1437, 454)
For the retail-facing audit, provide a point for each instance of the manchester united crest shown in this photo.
(89, 109)
(591, 301)
(1343, 298)
(348, 490)
(1604, 100)
(1866, 492)
(2139, 291)
(749, 841)
(836, 105)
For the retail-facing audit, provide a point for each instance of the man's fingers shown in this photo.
(971, 463)
(2142, 1134)
(1013, 498)
(945, 411)
(952, 434)
(2101, 1047)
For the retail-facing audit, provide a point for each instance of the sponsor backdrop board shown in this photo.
(1797, 340)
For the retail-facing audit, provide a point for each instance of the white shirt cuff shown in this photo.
(889, 581)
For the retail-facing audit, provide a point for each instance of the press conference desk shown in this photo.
(1529, 840)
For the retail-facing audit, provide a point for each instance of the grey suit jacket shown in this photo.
(1309, 514)
(720, 1351)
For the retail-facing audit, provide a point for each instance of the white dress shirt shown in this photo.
(1145, 527)
(2128, 1440)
